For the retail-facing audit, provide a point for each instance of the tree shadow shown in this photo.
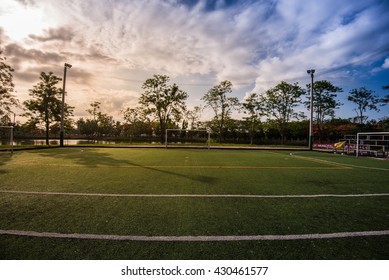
(5, 157)
(94, 158)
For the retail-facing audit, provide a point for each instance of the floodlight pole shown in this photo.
(62, 133)
(311, 72)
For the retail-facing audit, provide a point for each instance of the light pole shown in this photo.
(311, 72)
(62, 133)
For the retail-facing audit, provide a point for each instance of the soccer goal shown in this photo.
(372, 144)
(188, 137)
(7, 139)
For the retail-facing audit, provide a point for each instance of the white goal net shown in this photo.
(6, 140)
(188, 137)
(372, 144)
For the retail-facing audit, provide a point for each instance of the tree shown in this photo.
(324, 102)
(279, 103)
(222, 106)
(193, 117)
(385, 100)
(133, 117)
(94, 110)
(163, 100)
(45, 105)
(101, 124)
(7, 98)
(364, 99)
(252, 106)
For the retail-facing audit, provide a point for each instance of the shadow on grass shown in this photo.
(5, 156)
(93, 158)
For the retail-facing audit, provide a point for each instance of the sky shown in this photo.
(115, 45)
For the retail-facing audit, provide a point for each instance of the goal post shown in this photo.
(185, 137)
(10, 138)
(372, 143)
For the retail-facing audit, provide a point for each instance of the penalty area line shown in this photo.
(195, 238)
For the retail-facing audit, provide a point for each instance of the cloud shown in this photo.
(112, 101)
(60, 34)
(164, 36)
(26, 2)
(386, 64)
(115, 45)
(19, 55)
(242, 41)
(325, 37)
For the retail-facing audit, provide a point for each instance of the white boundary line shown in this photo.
(195, 238)
(196, 195)
(339, 164)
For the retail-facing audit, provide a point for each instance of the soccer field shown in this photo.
(116, 203)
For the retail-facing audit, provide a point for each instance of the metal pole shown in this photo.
(62, 133)
(166, 138)
(357, 150)
(209, 140)
(311, 72)
(12, 140)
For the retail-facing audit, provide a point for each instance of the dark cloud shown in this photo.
(27, 2)
(80, 76)
(55, 34)
(30, 75)
(75, 75)
(92, 55)
(211, 5)
(18, 55)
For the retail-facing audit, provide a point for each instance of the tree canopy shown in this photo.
(222, 105)
(324, 102)
(279, 103)
(163, 100)
(365, 100)
(45, 104)
(252, 106)
(7, 89)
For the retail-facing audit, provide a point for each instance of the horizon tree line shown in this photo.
(165, 104)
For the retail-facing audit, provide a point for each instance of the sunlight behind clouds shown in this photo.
(19, 21)
(116, 45)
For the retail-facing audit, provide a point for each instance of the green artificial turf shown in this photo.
(201, 172)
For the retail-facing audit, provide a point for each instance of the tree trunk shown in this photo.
(47, 133)
(163, 128)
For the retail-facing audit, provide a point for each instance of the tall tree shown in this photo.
(280, 102)
(193, 117)
(132, 117)
(222, 106)
(94, 109)
(252, 106)
(45, 105)
(163, 100)
(100, 124)
(7, 98)
(324, 102)
(365, 100)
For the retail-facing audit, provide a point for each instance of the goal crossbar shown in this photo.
(208, 131)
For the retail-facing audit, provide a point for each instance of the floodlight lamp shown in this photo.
(311, 71)
(67, 65)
